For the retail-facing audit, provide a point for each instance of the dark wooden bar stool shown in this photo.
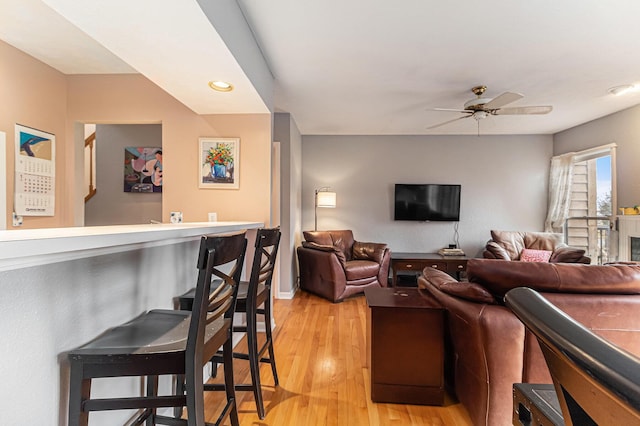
(162, 342)
(252, 295)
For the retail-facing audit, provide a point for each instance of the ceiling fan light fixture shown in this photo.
(623, 89)
(480, 115)
(221, 86)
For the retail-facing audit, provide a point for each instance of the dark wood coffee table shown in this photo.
(405, 342)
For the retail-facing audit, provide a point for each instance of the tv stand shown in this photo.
(416, 262)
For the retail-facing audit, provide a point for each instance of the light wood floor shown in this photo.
(321, 359)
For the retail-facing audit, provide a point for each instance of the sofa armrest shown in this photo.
(494, 250)
(321, 273)
(447, 284)
(383, 275)
(369, 251)
(487, 355)
(565, 254)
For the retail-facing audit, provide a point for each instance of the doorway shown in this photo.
(125, 167)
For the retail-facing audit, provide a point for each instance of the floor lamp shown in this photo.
(324, 197)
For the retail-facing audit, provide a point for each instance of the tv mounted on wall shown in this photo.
(427, 202)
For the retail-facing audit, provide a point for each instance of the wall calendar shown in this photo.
(35, 172)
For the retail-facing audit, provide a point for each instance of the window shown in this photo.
(592, 203)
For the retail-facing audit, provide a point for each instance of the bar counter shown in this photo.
(30, 247)
(62, 287)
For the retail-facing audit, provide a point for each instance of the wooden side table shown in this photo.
(453, 265)
(405, 342)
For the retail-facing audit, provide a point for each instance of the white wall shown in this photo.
(623, 128)
(111, 205)
(503, 178)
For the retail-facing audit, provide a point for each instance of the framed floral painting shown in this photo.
(219, 163)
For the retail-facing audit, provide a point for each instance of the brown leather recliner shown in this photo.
(508, 245)
(491, 349)
(333, 265)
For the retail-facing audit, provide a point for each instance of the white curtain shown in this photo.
(560, 176)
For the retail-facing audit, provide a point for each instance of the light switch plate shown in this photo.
(17, 219)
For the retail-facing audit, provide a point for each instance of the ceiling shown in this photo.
(361, 66)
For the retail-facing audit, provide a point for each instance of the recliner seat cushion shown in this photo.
(359, 269)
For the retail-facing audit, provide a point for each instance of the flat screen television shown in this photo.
(427, 202)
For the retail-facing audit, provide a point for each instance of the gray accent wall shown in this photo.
(504, 185)
(111, 205)
(621, 128)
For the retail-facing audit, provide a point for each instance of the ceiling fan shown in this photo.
(480, 108)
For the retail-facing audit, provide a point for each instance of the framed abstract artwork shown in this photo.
(219, 163)
(142, 169)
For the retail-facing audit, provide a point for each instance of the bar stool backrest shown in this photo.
(215, 252)
(264, 259)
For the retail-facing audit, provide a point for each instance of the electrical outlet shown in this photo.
(17, 219)
(213, 217)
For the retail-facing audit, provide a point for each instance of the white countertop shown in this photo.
(28, 247)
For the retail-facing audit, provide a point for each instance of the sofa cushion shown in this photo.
(531, 255)
(368, 251)
(498, 277)
(542, 240)
(359, 269)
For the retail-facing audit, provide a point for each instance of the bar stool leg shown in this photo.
(152, 390)
(79, 390)
(254, 361)
(267, 324)
(227, 349)
(180, 389)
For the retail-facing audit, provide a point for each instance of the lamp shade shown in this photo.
(326, 199)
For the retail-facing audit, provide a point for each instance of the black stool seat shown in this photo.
(152, 332)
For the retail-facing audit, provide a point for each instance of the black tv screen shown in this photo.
(427, 202)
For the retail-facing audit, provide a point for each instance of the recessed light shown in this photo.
(221, 86)
(623, 89)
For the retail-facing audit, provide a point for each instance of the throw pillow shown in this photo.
(530, 255)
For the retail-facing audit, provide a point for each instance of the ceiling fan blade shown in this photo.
(502, 99)
(447, 122)
(523, 110)
(452, 110)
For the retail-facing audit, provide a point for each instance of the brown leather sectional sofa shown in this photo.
(490, 348)
(508, 245)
